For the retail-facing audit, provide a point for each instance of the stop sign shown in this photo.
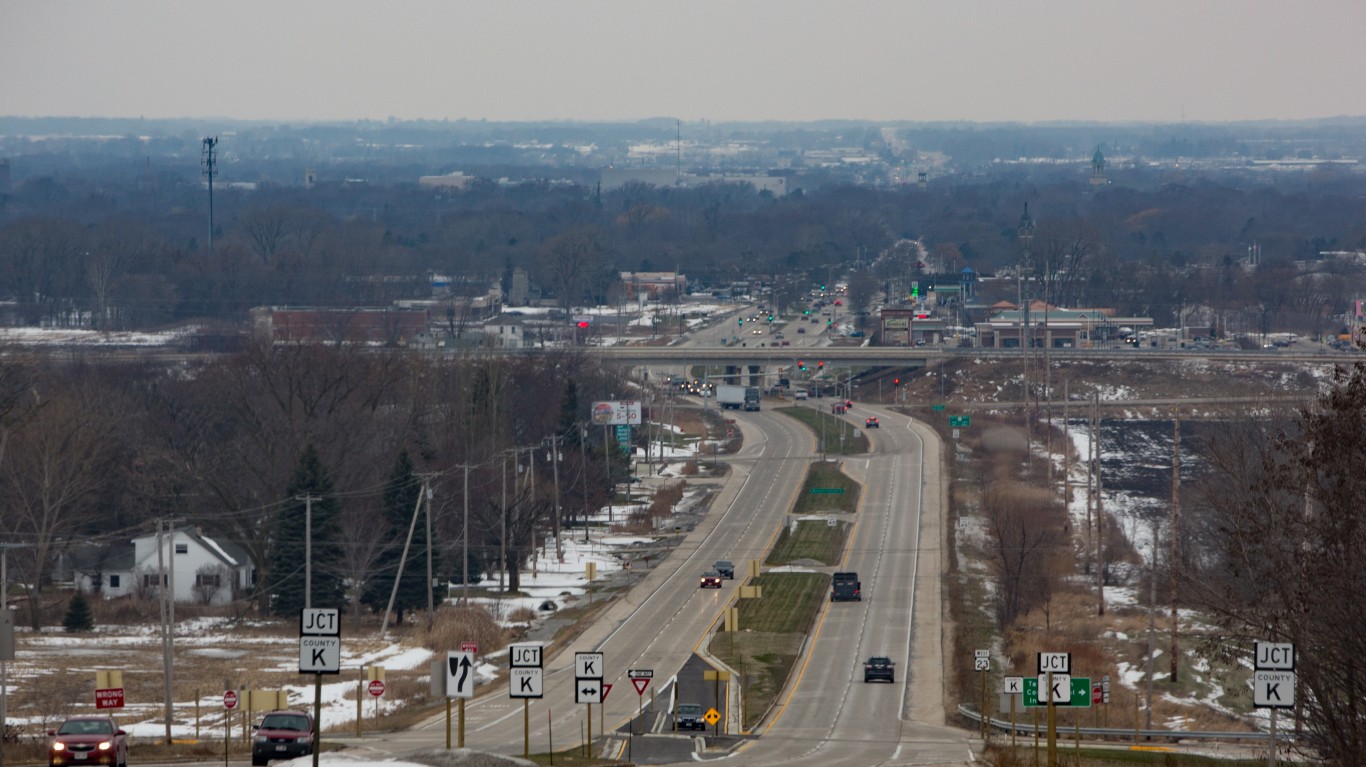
(376, 687)
(230, 699)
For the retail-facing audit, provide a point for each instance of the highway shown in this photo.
(830, 716)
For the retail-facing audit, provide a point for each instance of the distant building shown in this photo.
(519, 292)
(654, 285)
(1098, 169)
(505, 332)
(454, 180)
(390, 327)
(1042, 325)
(202, 569)
(615, 178)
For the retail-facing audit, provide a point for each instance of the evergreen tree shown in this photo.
(78, 617)
(288, 549)
(402, 493)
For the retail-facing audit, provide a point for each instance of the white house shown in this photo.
(504, 331)
(203, 570)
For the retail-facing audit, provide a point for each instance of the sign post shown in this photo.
(319, 653)
(640, 679)
(1273, 683)
(527, 680)
(229, 703)
(981, 663)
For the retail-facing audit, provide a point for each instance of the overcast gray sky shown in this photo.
(1152, 60)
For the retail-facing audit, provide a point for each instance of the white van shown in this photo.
(799, 394)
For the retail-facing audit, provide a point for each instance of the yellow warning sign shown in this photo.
(712, 717)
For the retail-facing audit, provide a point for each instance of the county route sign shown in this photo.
(1076, 688)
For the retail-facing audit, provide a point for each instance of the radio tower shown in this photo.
(209, 162)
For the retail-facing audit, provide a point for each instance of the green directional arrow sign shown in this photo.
(827, 491)
(1080, 688)
(960, 421)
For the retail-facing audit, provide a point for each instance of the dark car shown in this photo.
(688, 716)
(282, 735)
(87, 740)
(725, 568)
(710, 580)
(879, 667)
(871, 423)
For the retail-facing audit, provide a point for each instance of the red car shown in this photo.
(871, 423)
(88, 740)
(710, 580)
(282, 735)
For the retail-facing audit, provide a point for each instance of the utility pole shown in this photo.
(167, 682)
(7, 650)
(1152, 628)
(555, 468)
(1100, 512)
(1025, 233)
(503, 527)
(427, 493)
(1176, 506)
(583, 472)
(465, 553)
(308, 546)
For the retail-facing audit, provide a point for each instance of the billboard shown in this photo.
(617, 413)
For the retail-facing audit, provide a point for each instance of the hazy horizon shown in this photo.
(1161, 61)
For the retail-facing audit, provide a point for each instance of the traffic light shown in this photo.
(801, 366)
(770, 318)
(820, 365)
(740, 320)
(583, 324)
(896, 381)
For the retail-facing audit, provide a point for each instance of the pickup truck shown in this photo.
(845, 587)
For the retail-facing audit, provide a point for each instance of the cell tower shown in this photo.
(209, 161)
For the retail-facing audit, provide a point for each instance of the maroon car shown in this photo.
(88, 740)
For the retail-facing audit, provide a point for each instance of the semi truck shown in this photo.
(738, 397)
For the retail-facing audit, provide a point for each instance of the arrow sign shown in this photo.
(587, 690)
(459, 675)
(640, 683)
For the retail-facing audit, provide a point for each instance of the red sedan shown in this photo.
(88, 740)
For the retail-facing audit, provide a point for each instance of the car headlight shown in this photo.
(261, 739)
(57, 745)
(105, 745)
(305, 739)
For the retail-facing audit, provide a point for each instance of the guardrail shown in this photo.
(1129, 733)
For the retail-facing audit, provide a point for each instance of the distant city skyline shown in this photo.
(731, 60)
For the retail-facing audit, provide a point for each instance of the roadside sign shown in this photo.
(827, 491)
(470, 647)
(1273, 689)
(588, 665)
(1274, 656)
(623, 434)
(712, 716)
(524, 655)
(1014, 685)
(1067, 691)
(640, 683)
(981, 653)
(606, 688)
(937, 408)
(1097, 693)
(375, 688)
(526, 682)
(6, 633)
(981, 664)
(960, 421)
(320, 655)
(641, 673)
(587, 690)
(111, 698)
(320, 622)
(230, 699)
(459, 674)
(1056, 662)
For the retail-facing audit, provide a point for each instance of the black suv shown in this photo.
(725, 568)
(879, 667)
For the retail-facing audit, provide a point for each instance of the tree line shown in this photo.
(243, 446)
(1156, 243)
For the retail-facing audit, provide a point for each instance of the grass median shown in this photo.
(769, 638)
(841, 437)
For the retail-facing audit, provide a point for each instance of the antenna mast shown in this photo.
(209, 161)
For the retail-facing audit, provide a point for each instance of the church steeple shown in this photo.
(1098, 168)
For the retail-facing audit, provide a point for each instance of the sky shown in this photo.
(716, 60)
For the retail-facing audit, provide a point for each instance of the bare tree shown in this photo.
(1026, 528)
(1279, 554)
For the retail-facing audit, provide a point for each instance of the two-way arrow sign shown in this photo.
(459, 674)
(588, 690)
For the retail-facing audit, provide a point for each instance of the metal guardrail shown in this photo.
(1121, 732)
